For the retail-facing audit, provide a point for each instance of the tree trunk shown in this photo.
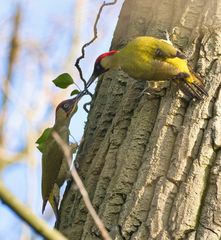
(152, 164)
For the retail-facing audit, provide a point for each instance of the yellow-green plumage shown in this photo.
(138, 59)
(55, 168)
(54, 172)
(149, 58)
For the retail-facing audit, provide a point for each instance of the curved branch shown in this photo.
(30, 218)
(91, 41)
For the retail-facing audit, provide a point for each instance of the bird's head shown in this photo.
(102, 64)
(66, 109)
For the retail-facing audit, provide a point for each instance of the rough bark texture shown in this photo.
(152, 165)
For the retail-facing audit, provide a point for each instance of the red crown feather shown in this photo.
(105, 54)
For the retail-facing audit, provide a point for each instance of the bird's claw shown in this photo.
(156, 87)
(151, 92)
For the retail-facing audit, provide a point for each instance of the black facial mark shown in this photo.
(98, 69)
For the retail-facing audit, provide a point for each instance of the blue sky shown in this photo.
(46, 33)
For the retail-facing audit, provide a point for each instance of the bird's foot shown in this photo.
(150, 92)
(156, 87)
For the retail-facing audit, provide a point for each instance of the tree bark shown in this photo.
(152, 165)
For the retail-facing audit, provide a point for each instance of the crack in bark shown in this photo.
(209, 229)
(197, 51)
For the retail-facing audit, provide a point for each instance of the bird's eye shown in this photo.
(66, 106)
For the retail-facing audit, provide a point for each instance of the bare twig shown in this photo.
(30, 218)
(80, 185)
(77, 63)
(85, 106)
(91, 41)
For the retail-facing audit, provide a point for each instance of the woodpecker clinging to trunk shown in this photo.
(152, 59)
(55, 168)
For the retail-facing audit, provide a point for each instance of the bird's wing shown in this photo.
(165, 50)
(51, 162)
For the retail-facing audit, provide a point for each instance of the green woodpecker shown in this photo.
(151, 59)
(55, 170)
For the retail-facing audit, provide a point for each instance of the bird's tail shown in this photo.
(193, 88)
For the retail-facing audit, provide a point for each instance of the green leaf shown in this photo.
(43, 138)
(74, 92)
(63, 81)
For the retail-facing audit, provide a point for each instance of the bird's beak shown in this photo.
(74, 102)
(91, 79)
(73, 107)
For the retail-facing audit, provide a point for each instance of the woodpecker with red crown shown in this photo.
(152, 59)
